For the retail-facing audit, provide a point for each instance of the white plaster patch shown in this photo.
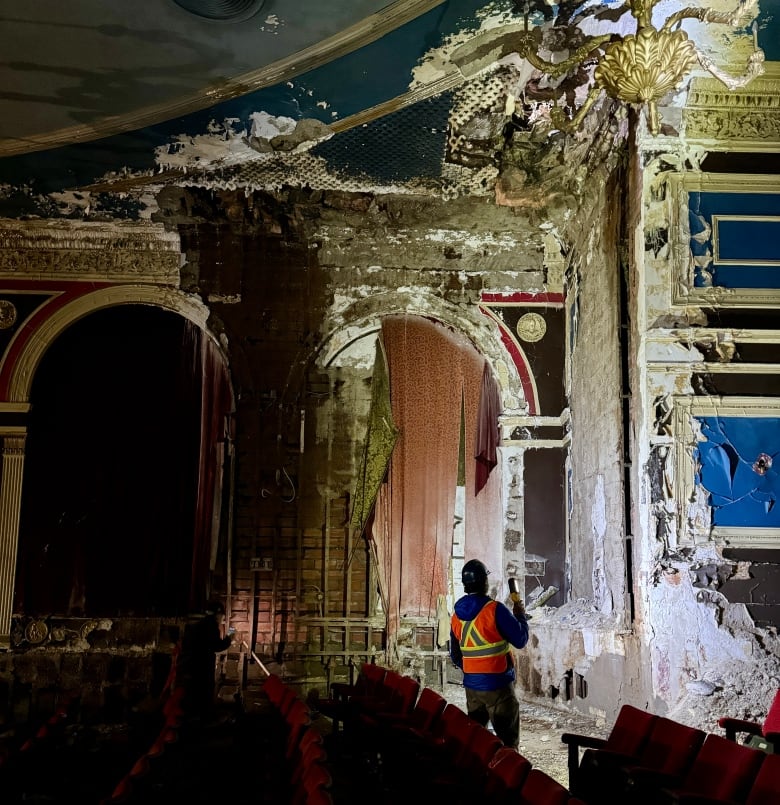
(359, 354)
(686, 636)
(227, 144)
(672, 352)
(478, 241)
(268, 126)
(225, 147)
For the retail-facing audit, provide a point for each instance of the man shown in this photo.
(482, 633)
(196, 666)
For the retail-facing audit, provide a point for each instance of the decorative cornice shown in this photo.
(79, 250)
(750, 115)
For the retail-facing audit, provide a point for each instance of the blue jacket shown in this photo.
(512, 629)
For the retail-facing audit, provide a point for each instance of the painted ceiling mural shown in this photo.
(390, 107)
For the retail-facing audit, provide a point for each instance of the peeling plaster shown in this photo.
(437, 62)
(228, 143)
(598, 519)
(672, 353)
(682, 656)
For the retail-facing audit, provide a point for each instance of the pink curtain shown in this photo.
(431, 369)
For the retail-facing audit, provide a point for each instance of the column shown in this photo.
(10, 506)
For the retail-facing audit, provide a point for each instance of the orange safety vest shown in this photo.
(484, 649)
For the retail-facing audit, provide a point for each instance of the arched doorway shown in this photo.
(111, 518)
(417, 498)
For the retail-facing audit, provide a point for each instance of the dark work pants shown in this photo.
(499, 707)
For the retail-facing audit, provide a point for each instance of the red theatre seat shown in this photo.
(769, 730)
(627, 737)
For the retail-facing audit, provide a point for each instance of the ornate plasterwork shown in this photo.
(684, 291)
(748, 118)
(79, 250)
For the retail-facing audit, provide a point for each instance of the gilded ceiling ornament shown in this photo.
(642, 68)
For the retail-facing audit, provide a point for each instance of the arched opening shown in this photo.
(416, 501)
(111, 518)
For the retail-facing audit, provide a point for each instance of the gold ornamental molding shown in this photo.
(86, 250)
(749, 118)
(640, 69)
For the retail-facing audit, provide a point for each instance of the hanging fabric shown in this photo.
(487, 429)
(380, 440)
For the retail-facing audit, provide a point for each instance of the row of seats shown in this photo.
(302, 775)
(135, 782)
(423, 748)
(654, 760)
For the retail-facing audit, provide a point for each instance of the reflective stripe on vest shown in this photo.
(484, 649)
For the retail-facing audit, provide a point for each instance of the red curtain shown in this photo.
(210, 373)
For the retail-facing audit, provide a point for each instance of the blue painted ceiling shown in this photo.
(107, 83)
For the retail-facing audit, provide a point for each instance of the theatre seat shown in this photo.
(769, 729)
(627, 738)
(722, 770)
(505, 776)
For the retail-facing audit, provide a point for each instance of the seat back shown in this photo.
(771, 727)
(766, 787)
(403, 693)
(314, 776)
(276, 689)
(539, 787)
(313, 753)
(722, 769)
(630, 731)
(671, 747)
(309, 736)
(458, 744)
(429, 706)
(319, 795)
(506, 774)
(297, 720)
(482, 747)
(370, 680)
(451, 723)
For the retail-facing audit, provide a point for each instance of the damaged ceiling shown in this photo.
(354, 94)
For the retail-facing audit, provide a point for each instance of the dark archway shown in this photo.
(111, 470)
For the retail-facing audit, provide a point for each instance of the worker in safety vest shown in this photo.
(482, 634)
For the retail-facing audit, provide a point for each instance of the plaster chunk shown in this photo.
(668, 352)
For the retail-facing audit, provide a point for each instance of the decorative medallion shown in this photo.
(36, 632)
(531, 327)
(7, 314)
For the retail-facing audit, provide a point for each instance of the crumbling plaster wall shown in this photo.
(596, 522)
(298, 284)
(695, 639)
(578, 653)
